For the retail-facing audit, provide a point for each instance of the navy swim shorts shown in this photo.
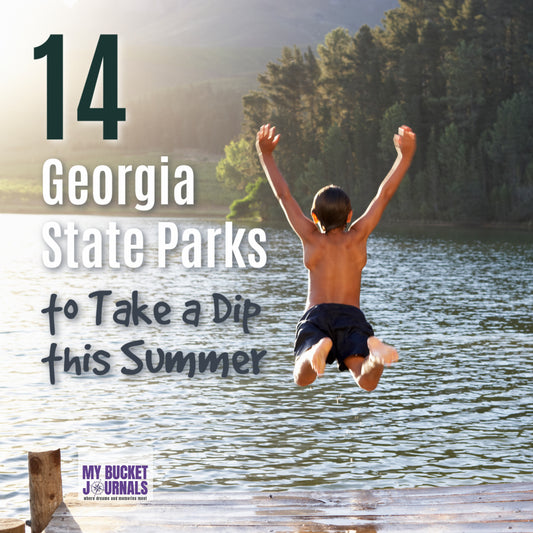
(345, 325)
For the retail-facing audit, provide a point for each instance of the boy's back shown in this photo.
(335, 261)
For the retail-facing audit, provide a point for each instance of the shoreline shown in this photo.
(213, 211)
(519, 226)
(220, 211)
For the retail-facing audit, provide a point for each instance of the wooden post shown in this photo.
(46, 491)
(12, 525)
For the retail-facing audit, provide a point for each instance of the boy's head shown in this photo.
(331, 208)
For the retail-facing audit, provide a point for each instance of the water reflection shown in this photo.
(455, 410)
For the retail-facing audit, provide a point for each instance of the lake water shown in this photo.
(457, 408)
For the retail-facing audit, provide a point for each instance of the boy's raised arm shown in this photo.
(266, 142)
(405, 143)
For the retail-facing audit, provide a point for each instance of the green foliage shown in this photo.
(457, 71)
(258, 203)
(510, 147)
(237, 167)
(394, 117)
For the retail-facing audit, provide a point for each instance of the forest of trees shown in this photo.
(457, 71)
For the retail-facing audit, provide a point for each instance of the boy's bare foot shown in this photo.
(381, 352)
(318, 354)
(312, 363)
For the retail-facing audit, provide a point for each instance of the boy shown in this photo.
(333, 327)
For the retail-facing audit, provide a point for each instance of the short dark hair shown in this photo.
(331, 206)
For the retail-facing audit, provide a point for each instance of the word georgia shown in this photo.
(66, 244)
(109, 187)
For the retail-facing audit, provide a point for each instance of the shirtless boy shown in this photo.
(333, 327)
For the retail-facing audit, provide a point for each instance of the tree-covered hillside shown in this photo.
(459, 72)
(200, 57)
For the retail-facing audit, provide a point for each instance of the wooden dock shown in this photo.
(498, 508)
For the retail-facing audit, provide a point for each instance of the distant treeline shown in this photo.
(459, 72)
(202, 116)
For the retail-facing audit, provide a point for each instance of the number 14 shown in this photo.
(105, 56)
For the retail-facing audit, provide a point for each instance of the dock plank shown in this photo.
(488, 508)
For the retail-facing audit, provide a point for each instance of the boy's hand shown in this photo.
(405, 141)
(266, 140)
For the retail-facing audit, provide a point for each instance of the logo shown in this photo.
(114, 476)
